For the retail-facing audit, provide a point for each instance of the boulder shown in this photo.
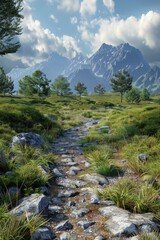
(67, 236)
(122, 223)
(30, 139)
(32, 205)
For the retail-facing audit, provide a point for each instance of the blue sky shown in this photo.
(81, 26)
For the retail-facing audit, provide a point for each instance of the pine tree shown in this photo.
(6, 84)
(10, 20)
(80, 88)
(121, 82)
(60, 86)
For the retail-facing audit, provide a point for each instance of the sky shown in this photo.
(81, 26)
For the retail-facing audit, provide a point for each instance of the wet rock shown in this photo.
(63, 226)
(67, 160)
(75, 169)
(85, 224)
(70, 164)
(43, 233)
(77, 213)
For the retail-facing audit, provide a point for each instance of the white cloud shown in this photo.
(37, 42)
(74, 20)
(88, 7)
(69, 5)
(53, 18)
(143, 33)
(109, 4)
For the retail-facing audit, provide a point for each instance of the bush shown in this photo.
(133, 96)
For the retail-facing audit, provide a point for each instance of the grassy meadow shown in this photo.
(131, 130)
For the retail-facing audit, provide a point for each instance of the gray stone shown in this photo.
(71, 183)
(77, 213)
(31, 139)
(32, 205)
(70, 164)
(142, 157)
(57, 173)
(96, 179)
(57, 201)
(54, 209)
(85, 224)
(67, 236)
(99, 238)
(75, 169)
(122, 223)
(68, 193)
(63, 226)
(44, 190)
(71, 173)
(67, 160)
(43, 233)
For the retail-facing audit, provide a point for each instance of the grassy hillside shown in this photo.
(123, 133)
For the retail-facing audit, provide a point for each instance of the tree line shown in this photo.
(39, 85)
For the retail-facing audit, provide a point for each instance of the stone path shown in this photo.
(74, 200)
(75, 211)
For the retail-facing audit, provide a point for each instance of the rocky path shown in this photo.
(74, 200)
(75, 211)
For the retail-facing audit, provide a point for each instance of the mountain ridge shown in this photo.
(98, 68)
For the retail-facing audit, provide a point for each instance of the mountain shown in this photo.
(99, 68)
(150, 80)
(109, 60)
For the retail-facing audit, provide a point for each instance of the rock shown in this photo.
(57, 201)
(70, 164)
(9, 173)
(44, 190)
(85, 224)
(67, 160)
(32, 205)
(13, 190)
(75, 169)
(100, 238)
(95, 178)
(57, 173)
(68, 193)
(71, 173)
(30, 139)
(77, 213)
(122, 223)
(43, 233)
(71, 183)
(51, 117)
(63, 226)
(67, 236)
(143, 157)
(54, 209)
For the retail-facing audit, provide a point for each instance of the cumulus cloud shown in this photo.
(74, 20)
(109, 4)
(37, 42)
(142, 33)
(69, 5)
(88, 7)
